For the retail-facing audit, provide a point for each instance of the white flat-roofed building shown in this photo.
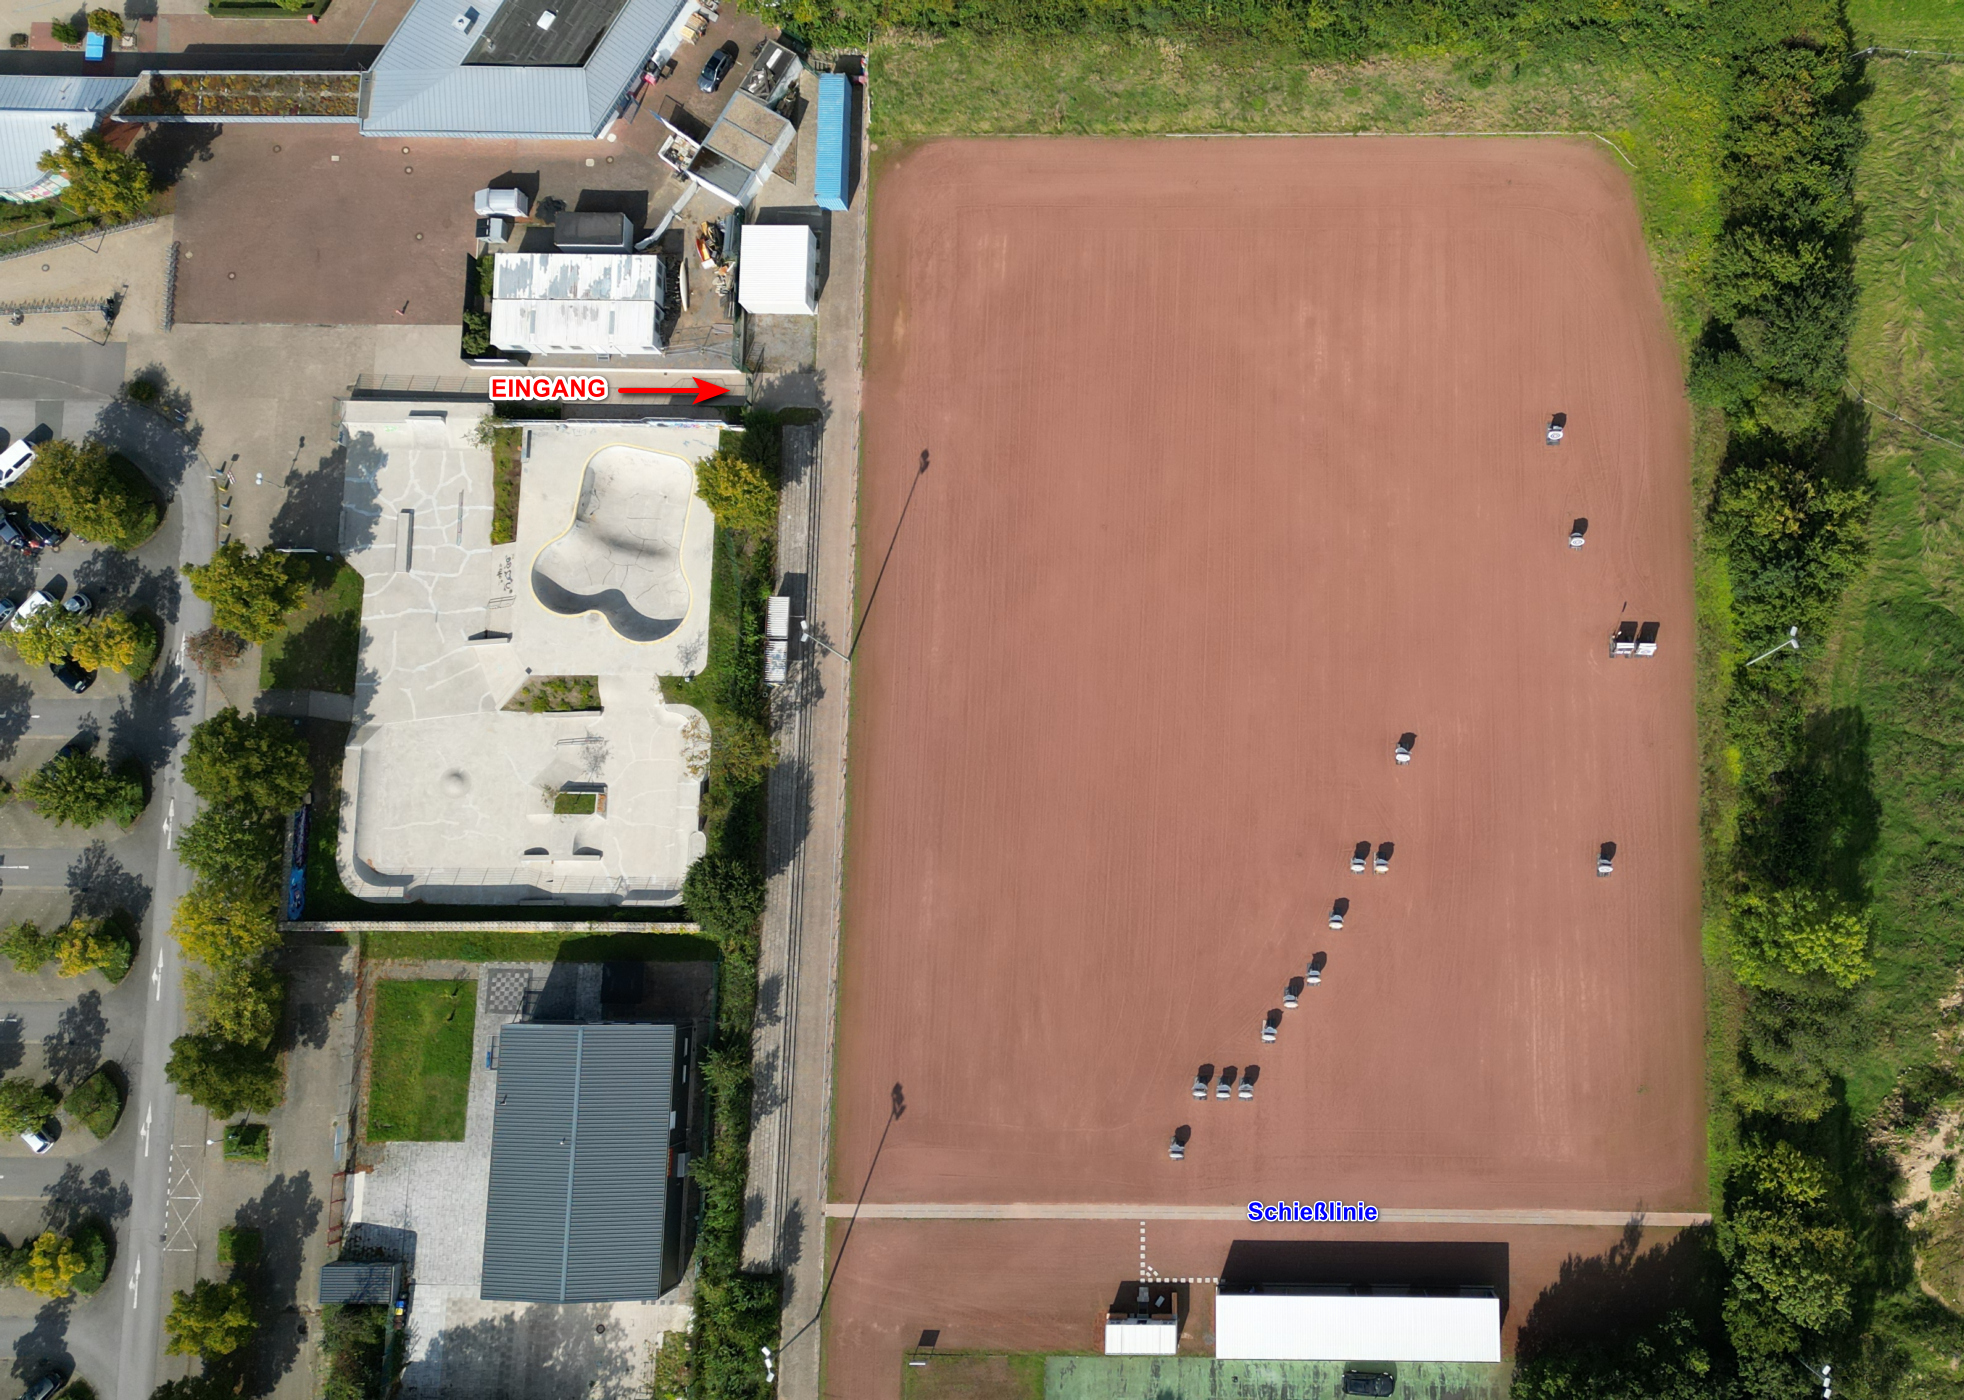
(1339, 1324)
(578, 303)
(777, 273)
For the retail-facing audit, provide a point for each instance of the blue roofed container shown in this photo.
(834, 121)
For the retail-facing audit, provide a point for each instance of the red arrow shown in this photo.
(702, 389)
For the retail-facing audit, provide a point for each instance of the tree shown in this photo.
(93, 945)
(726, 895)
(742, 494)
(86, 488)
(103, 183)
(249, 593)
(193, 1388)
(222, 926)
(1795, 932)
(24, 1105)
(239, 1002)
(106, 22)
(214, 649)
(47, 637)
(1667, 1361)
(248, 762)
(111, 642)
(26, 947)
(213, 1319)
(80, 788)
(1789, 1279)
(225, 1078)
(238, 846)
(53, 1261)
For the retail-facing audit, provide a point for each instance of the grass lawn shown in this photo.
(527, 945)
(238, 1245)
(1899, 661)
(551, 694)
(420, 1061)
(318, 649)
(1664, 117)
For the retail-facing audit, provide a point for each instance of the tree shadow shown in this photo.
(73, 1049)
(285, 1215)
(566, 1350)
(322, 655)
(310, 516)
(1599, 1302)
(162, 450)
(1822, 818)
(13, 1044)
(145, 725)
(119, 580)
(16, 711)
(98, 886)
(358, 512)
(170, 149)
(44, 1346)
(318, 982)
(76, 1196)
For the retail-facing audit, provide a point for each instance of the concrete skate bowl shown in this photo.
(622, 555)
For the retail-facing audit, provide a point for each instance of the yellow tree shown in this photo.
(87, 945)
(109, 642)
(102, 181)
(52, 1264)
(49, 636)
(222, 927)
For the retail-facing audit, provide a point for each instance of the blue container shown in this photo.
(834, 125)
(94, 48)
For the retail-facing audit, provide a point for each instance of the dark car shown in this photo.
(45, 1387)
(715, 69)
(1359, 1381)
(12, 535)
(72, 674)
(44, 536)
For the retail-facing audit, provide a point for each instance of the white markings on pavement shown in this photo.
(136, 1273)
(170, 824)
(157, 977)
(146, 1128)
(180, 652)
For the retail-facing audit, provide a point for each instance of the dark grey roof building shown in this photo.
(349, 1282)
(581, 1162)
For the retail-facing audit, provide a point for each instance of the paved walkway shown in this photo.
(1387, 1215)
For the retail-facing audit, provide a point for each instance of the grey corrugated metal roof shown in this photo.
(420, 84)
(32, 106)
(579, 1163)
(347, 1282)
(58, 93)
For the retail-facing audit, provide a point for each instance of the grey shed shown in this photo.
(579, 1163)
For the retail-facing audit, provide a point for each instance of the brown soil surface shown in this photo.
(1234, 472)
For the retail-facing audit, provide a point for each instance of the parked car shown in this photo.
(44, 536)
(36, 1141)
(45, 1387)
(14, 462)
(79, 604)
(12, 535)
(714, 69)
(7, 608)
(1378, 1384)
(36, 601)
(72, 674)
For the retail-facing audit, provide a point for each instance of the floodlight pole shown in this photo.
(805, 633)
(1793, 640)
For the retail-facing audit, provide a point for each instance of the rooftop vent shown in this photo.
(546, 17)
(464, 20)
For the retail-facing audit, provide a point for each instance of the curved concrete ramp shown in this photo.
(621, 557)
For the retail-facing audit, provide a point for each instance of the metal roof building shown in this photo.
(504, 69)
(350, 1282)
(579, 1163)
(31, 107)
(577, 303)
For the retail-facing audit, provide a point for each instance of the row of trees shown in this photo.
(80, 788)
(55, 1264)
(736, 1312)
(250, 772)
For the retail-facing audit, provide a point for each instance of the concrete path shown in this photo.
(1387, 1215)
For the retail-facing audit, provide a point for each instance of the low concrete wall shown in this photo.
(480, 926)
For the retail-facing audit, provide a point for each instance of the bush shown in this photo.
(92, 1240)
(238, 1245)
(724, 894)
(64, 32)
(106, 22)
(741, 493)
(90, 490)
(248, 1142)
(24, 1105)
(1944, 1175)
(80, 788)
(96, 1103)
(26, 947)
(355, 1345)
(214, 649)
(142, 390)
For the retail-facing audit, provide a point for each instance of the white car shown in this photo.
(14, 462)
(35, 1141)
(36, 601)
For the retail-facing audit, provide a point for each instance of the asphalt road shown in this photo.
(115, 1338)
